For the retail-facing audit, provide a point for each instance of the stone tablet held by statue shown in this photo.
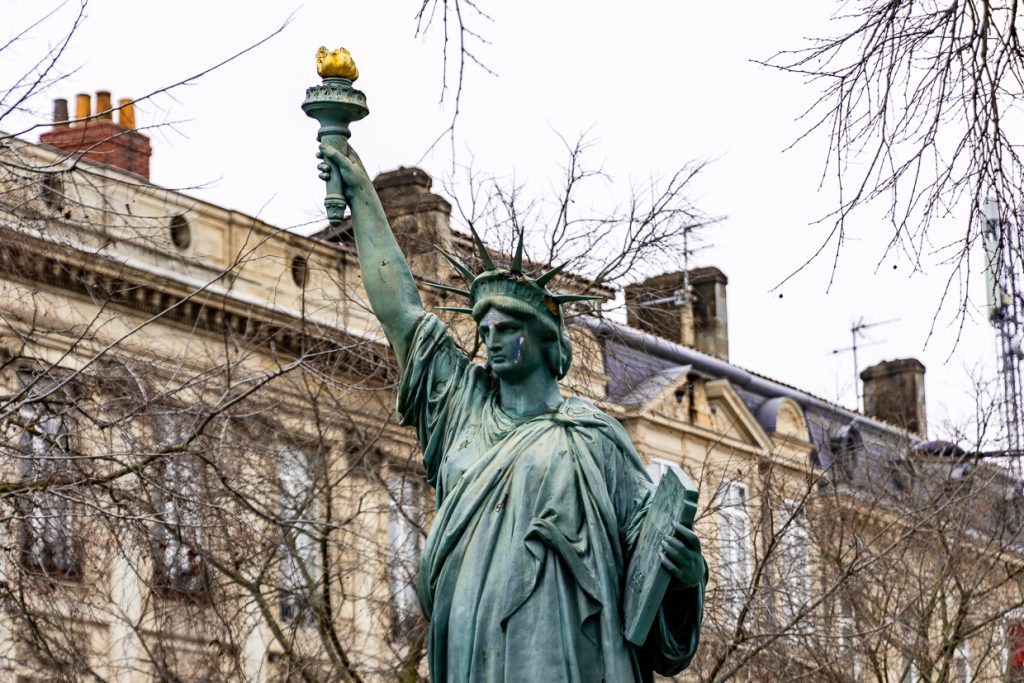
(647, 580)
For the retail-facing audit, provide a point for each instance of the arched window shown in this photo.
(846, 447)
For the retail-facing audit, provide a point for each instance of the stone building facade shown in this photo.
(203, 478)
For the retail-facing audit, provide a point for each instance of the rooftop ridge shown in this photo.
(739, 376)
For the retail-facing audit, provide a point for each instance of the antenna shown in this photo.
(680, 297)
(1004, 272)
(856, 332)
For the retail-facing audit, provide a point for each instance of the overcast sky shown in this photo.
(654, 84)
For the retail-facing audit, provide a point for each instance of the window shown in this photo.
(300, 271)
(908, 670)
(181, 234)
(300, 566)
(47, 530)
(846, 447)
(794, 564)
(961, 669)
(658, 468)
(847, 632)
(734, 545)
(53, 191)
(405, 542)
(908, 667)
(179, 566)
(1013, 633)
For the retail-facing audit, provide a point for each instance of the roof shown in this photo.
(648, 388)
(637, 363)
(857, 450)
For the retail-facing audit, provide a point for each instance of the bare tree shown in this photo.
(654, 222)
(202, 477)
(918, 101)
(184, 476)
(456, 20)
(890, 565)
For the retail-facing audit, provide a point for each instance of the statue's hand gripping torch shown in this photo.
(335, 104)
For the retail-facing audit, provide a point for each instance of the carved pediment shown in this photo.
(731, 418)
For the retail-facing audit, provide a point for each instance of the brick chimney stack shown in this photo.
(894, 392)
(95, 136)
(658, 305)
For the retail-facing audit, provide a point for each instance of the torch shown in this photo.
(335, 104)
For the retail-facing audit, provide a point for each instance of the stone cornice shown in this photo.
(98, 280)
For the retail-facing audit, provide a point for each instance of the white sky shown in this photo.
(654, 83)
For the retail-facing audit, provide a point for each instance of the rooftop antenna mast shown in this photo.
(856, 332)
(1003, 275)
(680, 297)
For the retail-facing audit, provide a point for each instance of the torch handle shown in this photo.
(334, 199)
(335, 104)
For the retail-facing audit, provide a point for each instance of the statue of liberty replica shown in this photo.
(541, 499)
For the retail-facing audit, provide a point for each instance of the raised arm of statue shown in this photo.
(386, 276)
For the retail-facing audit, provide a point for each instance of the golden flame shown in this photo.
(336, 64)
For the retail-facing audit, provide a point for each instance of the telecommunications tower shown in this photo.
(1004, 275)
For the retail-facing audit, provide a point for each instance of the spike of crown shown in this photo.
(510, 290)
(513, 292)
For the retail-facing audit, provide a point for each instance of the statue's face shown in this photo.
(514, 347)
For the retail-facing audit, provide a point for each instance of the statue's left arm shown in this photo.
(675, 633)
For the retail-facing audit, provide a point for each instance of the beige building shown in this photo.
(204, 480)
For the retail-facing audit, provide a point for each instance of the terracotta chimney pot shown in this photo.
(126, 113)
(83, 108)
(103, 105)
(102, 141)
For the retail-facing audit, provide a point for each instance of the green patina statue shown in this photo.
(540, 499)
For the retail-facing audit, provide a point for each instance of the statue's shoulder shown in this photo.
(602, 428)
(434, 346)
(576, 407)
(585, 413)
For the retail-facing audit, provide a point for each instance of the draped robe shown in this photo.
(522, 573)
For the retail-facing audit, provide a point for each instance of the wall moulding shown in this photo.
(71, 271)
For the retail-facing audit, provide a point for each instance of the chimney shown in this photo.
(420, 219)
(95, 136)
(60, 113)
(894, 392)
(83, 107)
(103, 112)
(660, 305)
(126, 113)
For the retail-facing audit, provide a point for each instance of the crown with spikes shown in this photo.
(511, 291)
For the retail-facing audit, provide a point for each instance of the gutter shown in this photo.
(715, 367)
